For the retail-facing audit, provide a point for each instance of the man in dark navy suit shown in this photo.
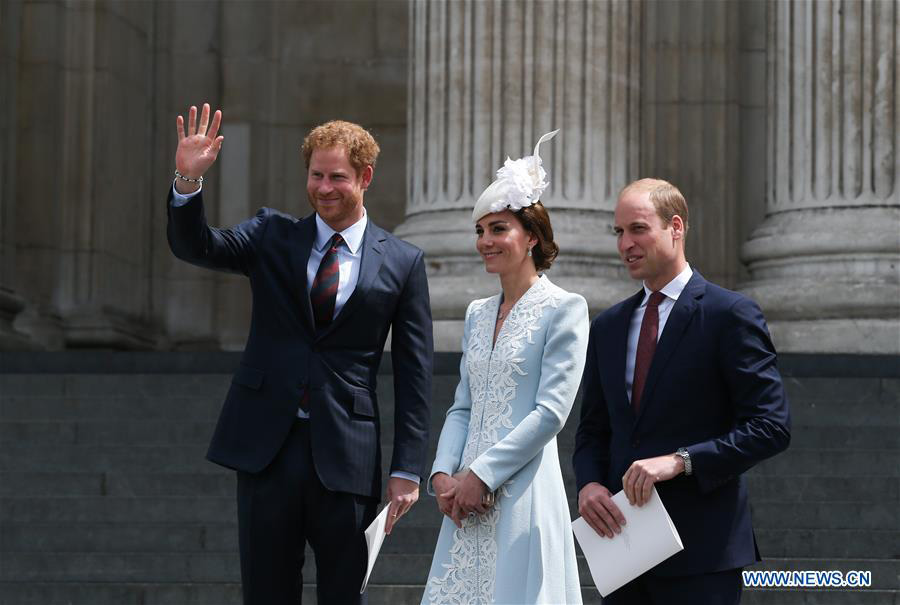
(300, 424)
(680, 391)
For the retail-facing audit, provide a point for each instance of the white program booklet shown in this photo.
(374, 539)
(647, 539)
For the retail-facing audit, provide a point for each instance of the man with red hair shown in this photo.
(300, 424)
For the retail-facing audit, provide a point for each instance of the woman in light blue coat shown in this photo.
(507, 535)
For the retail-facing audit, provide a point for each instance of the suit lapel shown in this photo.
(370, 264)
(678, 321)
(306, 236)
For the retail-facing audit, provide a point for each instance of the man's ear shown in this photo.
(677, 227)
(367, 174)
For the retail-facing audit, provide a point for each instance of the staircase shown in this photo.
(106, 498)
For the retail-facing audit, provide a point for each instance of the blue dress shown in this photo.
(512, 400)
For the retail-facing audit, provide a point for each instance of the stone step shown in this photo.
(396, 568)
(110, 407)
(151, 511)
(391, 568)
(169, 537)
(829, 543)
(196, 432)
(170, 593)
(182, 593)
(190, 458)
(851, 402)
(154, 510)
(809, 437)
(53, 434)
(100, 458)
(107, 432)
(819, 596)
(833, 515)
(122, 593)
(144, 386)
(809, 391)
(215, 482)
(798, 461)
(218, 482)
(407, 538)
(804, 488)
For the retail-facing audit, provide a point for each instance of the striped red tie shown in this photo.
(323, 294)
(645, 348)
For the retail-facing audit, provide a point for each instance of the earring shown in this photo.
(529, 252)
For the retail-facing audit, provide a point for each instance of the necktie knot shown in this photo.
(656, 299)
(336, 241)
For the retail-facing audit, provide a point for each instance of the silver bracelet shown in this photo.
(178, 175)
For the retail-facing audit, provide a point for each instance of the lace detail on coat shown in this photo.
(492, 370)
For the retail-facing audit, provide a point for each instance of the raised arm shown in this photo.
(190, 237)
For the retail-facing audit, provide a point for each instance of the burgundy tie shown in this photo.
(323, 293)
(645, 348)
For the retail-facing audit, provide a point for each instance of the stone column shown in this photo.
(10, 302)
(82, 153)
(487, 78)
(188, 61)
(824, 263)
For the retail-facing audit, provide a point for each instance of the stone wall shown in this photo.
(777, 119)
(90, 94)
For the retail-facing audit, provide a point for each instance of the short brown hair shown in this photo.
(536, 221)
(362, 150)
(664, 196)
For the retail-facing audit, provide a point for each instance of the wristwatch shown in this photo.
(687, 459)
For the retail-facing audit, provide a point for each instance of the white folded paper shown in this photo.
(374, 539)
(647, 539)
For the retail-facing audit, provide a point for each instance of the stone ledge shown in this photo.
(833, 365)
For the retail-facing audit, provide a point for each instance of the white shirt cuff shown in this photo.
(180, 199)
(407, 476)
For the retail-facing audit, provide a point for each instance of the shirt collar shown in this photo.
(353, 235)
(674, 288)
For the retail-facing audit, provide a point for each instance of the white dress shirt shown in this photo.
(349, 258)
(672, 291)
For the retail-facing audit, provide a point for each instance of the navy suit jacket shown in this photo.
(712, 387)
(285, 355)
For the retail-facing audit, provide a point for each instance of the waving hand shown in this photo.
(198, 148)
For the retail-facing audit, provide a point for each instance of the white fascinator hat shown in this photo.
(519, 183)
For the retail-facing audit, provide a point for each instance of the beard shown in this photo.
(341, 210)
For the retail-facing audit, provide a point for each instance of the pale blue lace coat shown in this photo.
(512, 400)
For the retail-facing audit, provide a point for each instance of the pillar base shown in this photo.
(828, 279)
(864, 336)
(92, 328)
(10, 338)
